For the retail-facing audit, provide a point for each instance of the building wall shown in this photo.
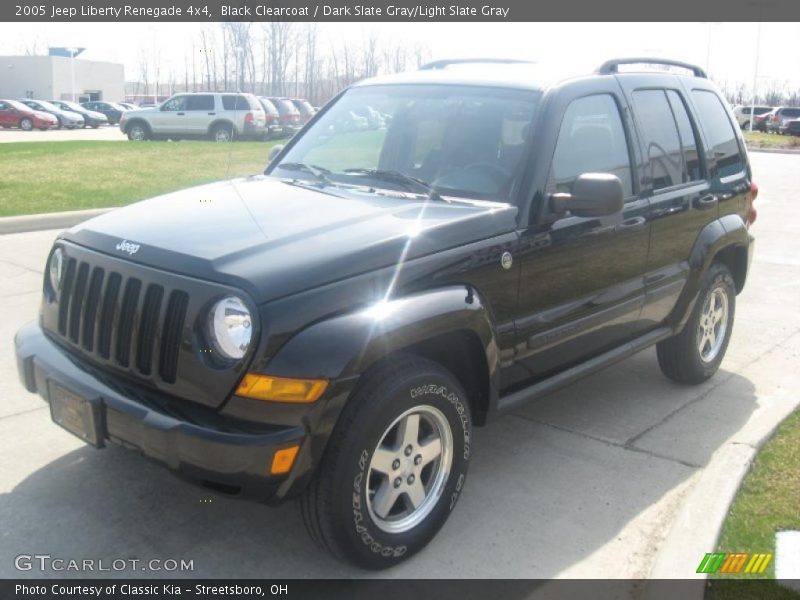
(50, 77)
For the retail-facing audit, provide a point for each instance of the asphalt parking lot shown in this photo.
(588, 482)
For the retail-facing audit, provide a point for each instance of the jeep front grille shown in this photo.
(125, 321)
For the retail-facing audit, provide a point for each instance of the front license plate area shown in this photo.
(76, 414)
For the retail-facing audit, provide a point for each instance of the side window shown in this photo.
(3, 106)
(720, 132)
(235, 103)
(691, 157)
(591, 140)
(175, 104)
(661, 138)
(204, 102)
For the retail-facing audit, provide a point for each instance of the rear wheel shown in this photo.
(138, 132)
(26, 124)
(394, 467)
(222, 133)
(695, 354)
(746, 125)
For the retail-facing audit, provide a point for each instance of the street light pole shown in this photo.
(755, 77)
(72, 71)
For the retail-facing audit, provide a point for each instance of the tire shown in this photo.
(95, 125)
(366, 459)
(745, 125)
(138, 132)
(680, 357)
(222, 133)
(26, 124)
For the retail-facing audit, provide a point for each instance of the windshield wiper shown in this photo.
(320, 173)
(410, 183)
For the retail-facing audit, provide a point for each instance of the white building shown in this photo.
(52, 77)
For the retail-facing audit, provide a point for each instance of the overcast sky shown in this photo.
(727, 50)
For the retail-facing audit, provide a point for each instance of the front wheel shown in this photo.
(394, 467)
(695, 354)
(138, 132)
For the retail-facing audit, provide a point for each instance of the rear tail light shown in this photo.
(248, 118)
(752, 213)
(776, 119)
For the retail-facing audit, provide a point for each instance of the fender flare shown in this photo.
(729, 230)
(345, 346)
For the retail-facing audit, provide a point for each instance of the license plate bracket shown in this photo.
(80, 416)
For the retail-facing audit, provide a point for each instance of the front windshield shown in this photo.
(459, 140)
(72, 106)
(45, 105)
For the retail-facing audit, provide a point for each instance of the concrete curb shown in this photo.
(56, 220)
(703, 512)
(775, 150)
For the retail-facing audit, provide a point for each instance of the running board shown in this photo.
(516, 399)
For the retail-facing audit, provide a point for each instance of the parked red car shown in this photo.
(16, 114)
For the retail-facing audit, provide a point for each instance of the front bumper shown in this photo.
(222, 453)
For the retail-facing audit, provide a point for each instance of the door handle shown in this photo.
(632, 223)
(707, 201)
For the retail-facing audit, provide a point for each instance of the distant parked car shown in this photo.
(16, 114)
(374, 118)
(289, 115)
(777, 118)
(273, 119)
(91, 118)
(219, 116)
(743, 114)
(111, 110)
(791, 127)
(66, 118)
(306, 110)
(147, 105)
(128, 106)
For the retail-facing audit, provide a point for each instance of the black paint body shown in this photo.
(337, 283)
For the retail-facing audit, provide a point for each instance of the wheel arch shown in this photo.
(217, 122)
(137, 120)
(450, 326)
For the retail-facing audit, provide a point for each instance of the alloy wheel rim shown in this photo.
(223, 135)
(409, 469)
(712, 326)
(26, 125)
(137, 133)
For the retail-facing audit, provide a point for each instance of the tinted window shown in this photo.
(790, 113)
(205, 102)
(285, 106)
(591, 140)
(235, 103)
(3, 105)
(176, 103)
(721, 135)
(661, 138)
(268, 106)
(691, 156)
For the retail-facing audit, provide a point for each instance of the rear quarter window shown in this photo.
(231, 102)
(720, 132)
(790, 113)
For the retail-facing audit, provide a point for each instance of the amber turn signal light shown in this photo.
(283, 460)
(281, 389)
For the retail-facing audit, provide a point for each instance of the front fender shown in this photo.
(347, 345)
(719, 234)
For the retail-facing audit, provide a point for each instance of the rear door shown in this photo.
(200, 111)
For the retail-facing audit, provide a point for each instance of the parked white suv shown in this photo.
(222, 117)
(743, 113)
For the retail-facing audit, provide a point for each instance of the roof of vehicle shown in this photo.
(516, 74)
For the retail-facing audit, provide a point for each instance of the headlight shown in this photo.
(231, 327)
(56, 268)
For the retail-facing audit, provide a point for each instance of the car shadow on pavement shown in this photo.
(555, 489)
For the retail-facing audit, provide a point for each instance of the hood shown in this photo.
(96, 115)
(45, 116)
(72, 116)
(272, 238)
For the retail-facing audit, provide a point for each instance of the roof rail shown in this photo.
(612, 66)
(443, 64)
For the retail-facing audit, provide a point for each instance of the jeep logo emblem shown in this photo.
(129, 247)
(506, 260)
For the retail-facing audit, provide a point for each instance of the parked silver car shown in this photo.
(222, 117)
(744, 113)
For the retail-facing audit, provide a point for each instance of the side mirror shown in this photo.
(593, 195)
(274, 151)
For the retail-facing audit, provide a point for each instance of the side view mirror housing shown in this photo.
(593, 195)
(274, 151)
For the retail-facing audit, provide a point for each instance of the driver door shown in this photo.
(170, 117)
(582, 278)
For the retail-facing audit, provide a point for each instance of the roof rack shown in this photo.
(612, 66)
(443, 64)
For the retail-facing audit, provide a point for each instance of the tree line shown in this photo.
(273, 59)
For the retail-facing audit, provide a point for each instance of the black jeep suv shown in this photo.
(334, 328)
